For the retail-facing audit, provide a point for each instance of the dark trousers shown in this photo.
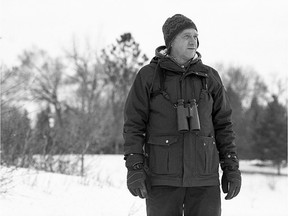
(192, 201)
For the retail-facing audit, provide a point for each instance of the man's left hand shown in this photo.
(231, 183)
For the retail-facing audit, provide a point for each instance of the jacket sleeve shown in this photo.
(136, 114)
(222, 119)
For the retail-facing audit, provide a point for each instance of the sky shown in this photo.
(247, 33)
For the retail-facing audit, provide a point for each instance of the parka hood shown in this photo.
(161, 53)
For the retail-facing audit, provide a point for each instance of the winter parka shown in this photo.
(150, 122)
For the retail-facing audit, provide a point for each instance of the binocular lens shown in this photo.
(187, 116)
(182, 117)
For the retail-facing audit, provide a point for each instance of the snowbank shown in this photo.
(102, 192)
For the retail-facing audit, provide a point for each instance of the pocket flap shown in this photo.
(207, 140)
(162, 140)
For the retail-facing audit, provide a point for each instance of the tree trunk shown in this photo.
(278, 169)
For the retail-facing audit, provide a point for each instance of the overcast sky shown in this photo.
(248, 33)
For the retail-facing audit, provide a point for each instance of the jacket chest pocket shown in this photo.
(207, 155)
(164, 155)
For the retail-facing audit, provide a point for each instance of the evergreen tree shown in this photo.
(271, 135)
(252, 116)
(121, 63)
(244, 90)
(42, 142)
(15, 127)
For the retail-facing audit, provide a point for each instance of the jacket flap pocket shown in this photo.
(162, 140)
(207, 140)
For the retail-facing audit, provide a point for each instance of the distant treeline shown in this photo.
(80, 99)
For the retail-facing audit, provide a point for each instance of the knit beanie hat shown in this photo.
(174, 25)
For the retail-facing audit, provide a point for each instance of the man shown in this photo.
(178, 129)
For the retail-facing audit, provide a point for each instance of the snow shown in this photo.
(103, 192)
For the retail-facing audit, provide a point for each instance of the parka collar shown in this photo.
(167, 62)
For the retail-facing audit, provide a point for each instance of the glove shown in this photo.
(136, 176)
(136, 182)
(231, 183)
(231, 178)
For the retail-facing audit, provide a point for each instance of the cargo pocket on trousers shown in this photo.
(208, 156)
(164, 154)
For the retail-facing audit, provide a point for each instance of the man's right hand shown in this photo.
(136, 176)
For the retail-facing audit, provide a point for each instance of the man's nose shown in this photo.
(192, 41)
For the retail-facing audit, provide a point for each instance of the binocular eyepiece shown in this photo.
(187, 116)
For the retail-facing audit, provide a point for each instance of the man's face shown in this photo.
(184, 45)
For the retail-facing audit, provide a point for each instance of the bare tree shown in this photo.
(47, 74)
(9, 86)
(87, 79)
(246, 82)
(87, 111)
(43, 78)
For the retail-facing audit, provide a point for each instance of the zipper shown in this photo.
(182, 77)
(183, 158)
(181, 85)
(168, 159)
(195, 156)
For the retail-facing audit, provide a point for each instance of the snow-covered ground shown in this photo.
(102, 192)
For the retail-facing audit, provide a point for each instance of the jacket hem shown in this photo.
(195, 182)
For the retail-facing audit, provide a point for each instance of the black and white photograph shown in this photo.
(134, 108)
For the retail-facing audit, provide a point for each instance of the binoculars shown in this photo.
(187, 116)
